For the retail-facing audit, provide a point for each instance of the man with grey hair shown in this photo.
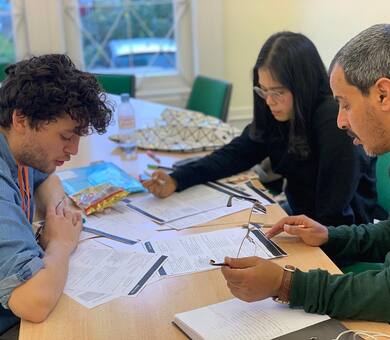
(360, 81)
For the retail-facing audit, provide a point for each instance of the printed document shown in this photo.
(236, 319)
(204, 217)
(192, 253)
(98, 271)
(121, 223)
(192, 201)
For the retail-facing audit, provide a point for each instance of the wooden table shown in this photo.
(150, 314)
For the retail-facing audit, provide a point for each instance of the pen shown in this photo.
(161, 167)
(219, 264)
(153, 177)
(42, 226)
(153, 156)
(59, 203)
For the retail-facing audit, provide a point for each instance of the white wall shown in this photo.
(227, 35)
(248, 23)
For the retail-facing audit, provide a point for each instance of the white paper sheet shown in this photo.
(193, 221)
(192, 253)
(195, 200)
(94, 269)
(236, 319)
(122, 222)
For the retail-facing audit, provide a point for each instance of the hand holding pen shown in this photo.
(62, 228)
(160, 184)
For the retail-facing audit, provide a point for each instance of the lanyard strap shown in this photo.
(24, 188)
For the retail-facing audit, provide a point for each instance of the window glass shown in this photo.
(7, 51)
(128, 36)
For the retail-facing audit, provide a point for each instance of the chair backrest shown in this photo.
(117, 83)
(383, 180)
(210, 96)
(2, 71)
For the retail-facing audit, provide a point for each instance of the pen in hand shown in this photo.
(155, 178)
(219, 264)
(60, 202)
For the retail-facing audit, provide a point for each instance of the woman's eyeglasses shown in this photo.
(276, 95)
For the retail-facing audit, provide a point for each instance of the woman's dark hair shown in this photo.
(293, 60)
(48, 87)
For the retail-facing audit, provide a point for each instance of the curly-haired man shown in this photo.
(46, 104)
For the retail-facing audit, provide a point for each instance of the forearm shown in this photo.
(50, 191)
(360, 243)
(239, 155)
(364, 296)
(37, 297)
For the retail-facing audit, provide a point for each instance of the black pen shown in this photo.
(219, 264)
(161, 167)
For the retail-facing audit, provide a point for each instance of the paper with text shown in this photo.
(236, 319)
(121, 222)
(192, 201)
(105, 271)
(204, 217)
(192, 253)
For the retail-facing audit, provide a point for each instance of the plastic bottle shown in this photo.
(126, 126)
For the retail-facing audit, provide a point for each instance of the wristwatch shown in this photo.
(285, 287)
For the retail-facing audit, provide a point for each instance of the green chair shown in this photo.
(210, 96)
(2, 71)
(383, 181)
(117, 83)
(383, 189)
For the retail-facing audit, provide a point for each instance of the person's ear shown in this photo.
(19, 121)
(383, 93)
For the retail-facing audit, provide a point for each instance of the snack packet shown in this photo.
(97, 198)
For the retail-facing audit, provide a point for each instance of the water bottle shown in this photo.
(126, 126)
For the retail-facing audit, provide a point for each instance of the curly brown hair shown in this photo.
(48, 87)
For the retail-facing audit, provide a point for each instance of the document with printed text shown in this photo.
(236, 319)
(97, 272)
(192, 253)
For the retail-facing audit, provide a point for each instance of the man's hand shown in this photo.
(62, 226)
(161, 184)
(252, 278)
(310, 231)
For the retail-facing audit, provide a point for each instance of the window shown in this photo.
(7, 51)
(128, 36)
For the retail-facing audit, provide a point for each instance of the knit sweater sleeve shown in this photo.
(240, 154)
(365, 242)
(364, 296)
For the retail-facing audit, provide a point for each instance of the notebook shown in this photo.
(261, 320)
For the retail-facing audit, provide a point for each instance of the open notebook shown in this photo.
(262, 320)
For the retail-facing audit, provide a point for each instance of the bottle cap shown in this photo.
(125, 97)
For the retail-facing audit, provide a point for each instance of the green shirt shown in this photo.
(364, 296)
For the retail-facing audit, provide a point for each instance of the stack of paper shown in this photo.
(100, 274)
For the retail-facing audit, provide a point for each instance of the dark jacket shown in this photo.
(334, 185)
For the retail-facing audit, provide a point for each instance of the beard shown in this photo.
(36, 157)
(380, 143)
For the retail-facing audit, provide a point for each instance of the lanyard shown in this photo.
(24, 188)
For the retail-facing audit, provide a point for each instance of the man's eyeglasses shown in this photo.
(257, 206)
(276, 95)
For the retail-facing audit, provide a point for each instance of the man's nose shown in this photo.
(73, 147)
(342, 121)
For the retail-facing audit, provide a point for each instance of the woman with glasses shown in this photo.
(328, 178)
